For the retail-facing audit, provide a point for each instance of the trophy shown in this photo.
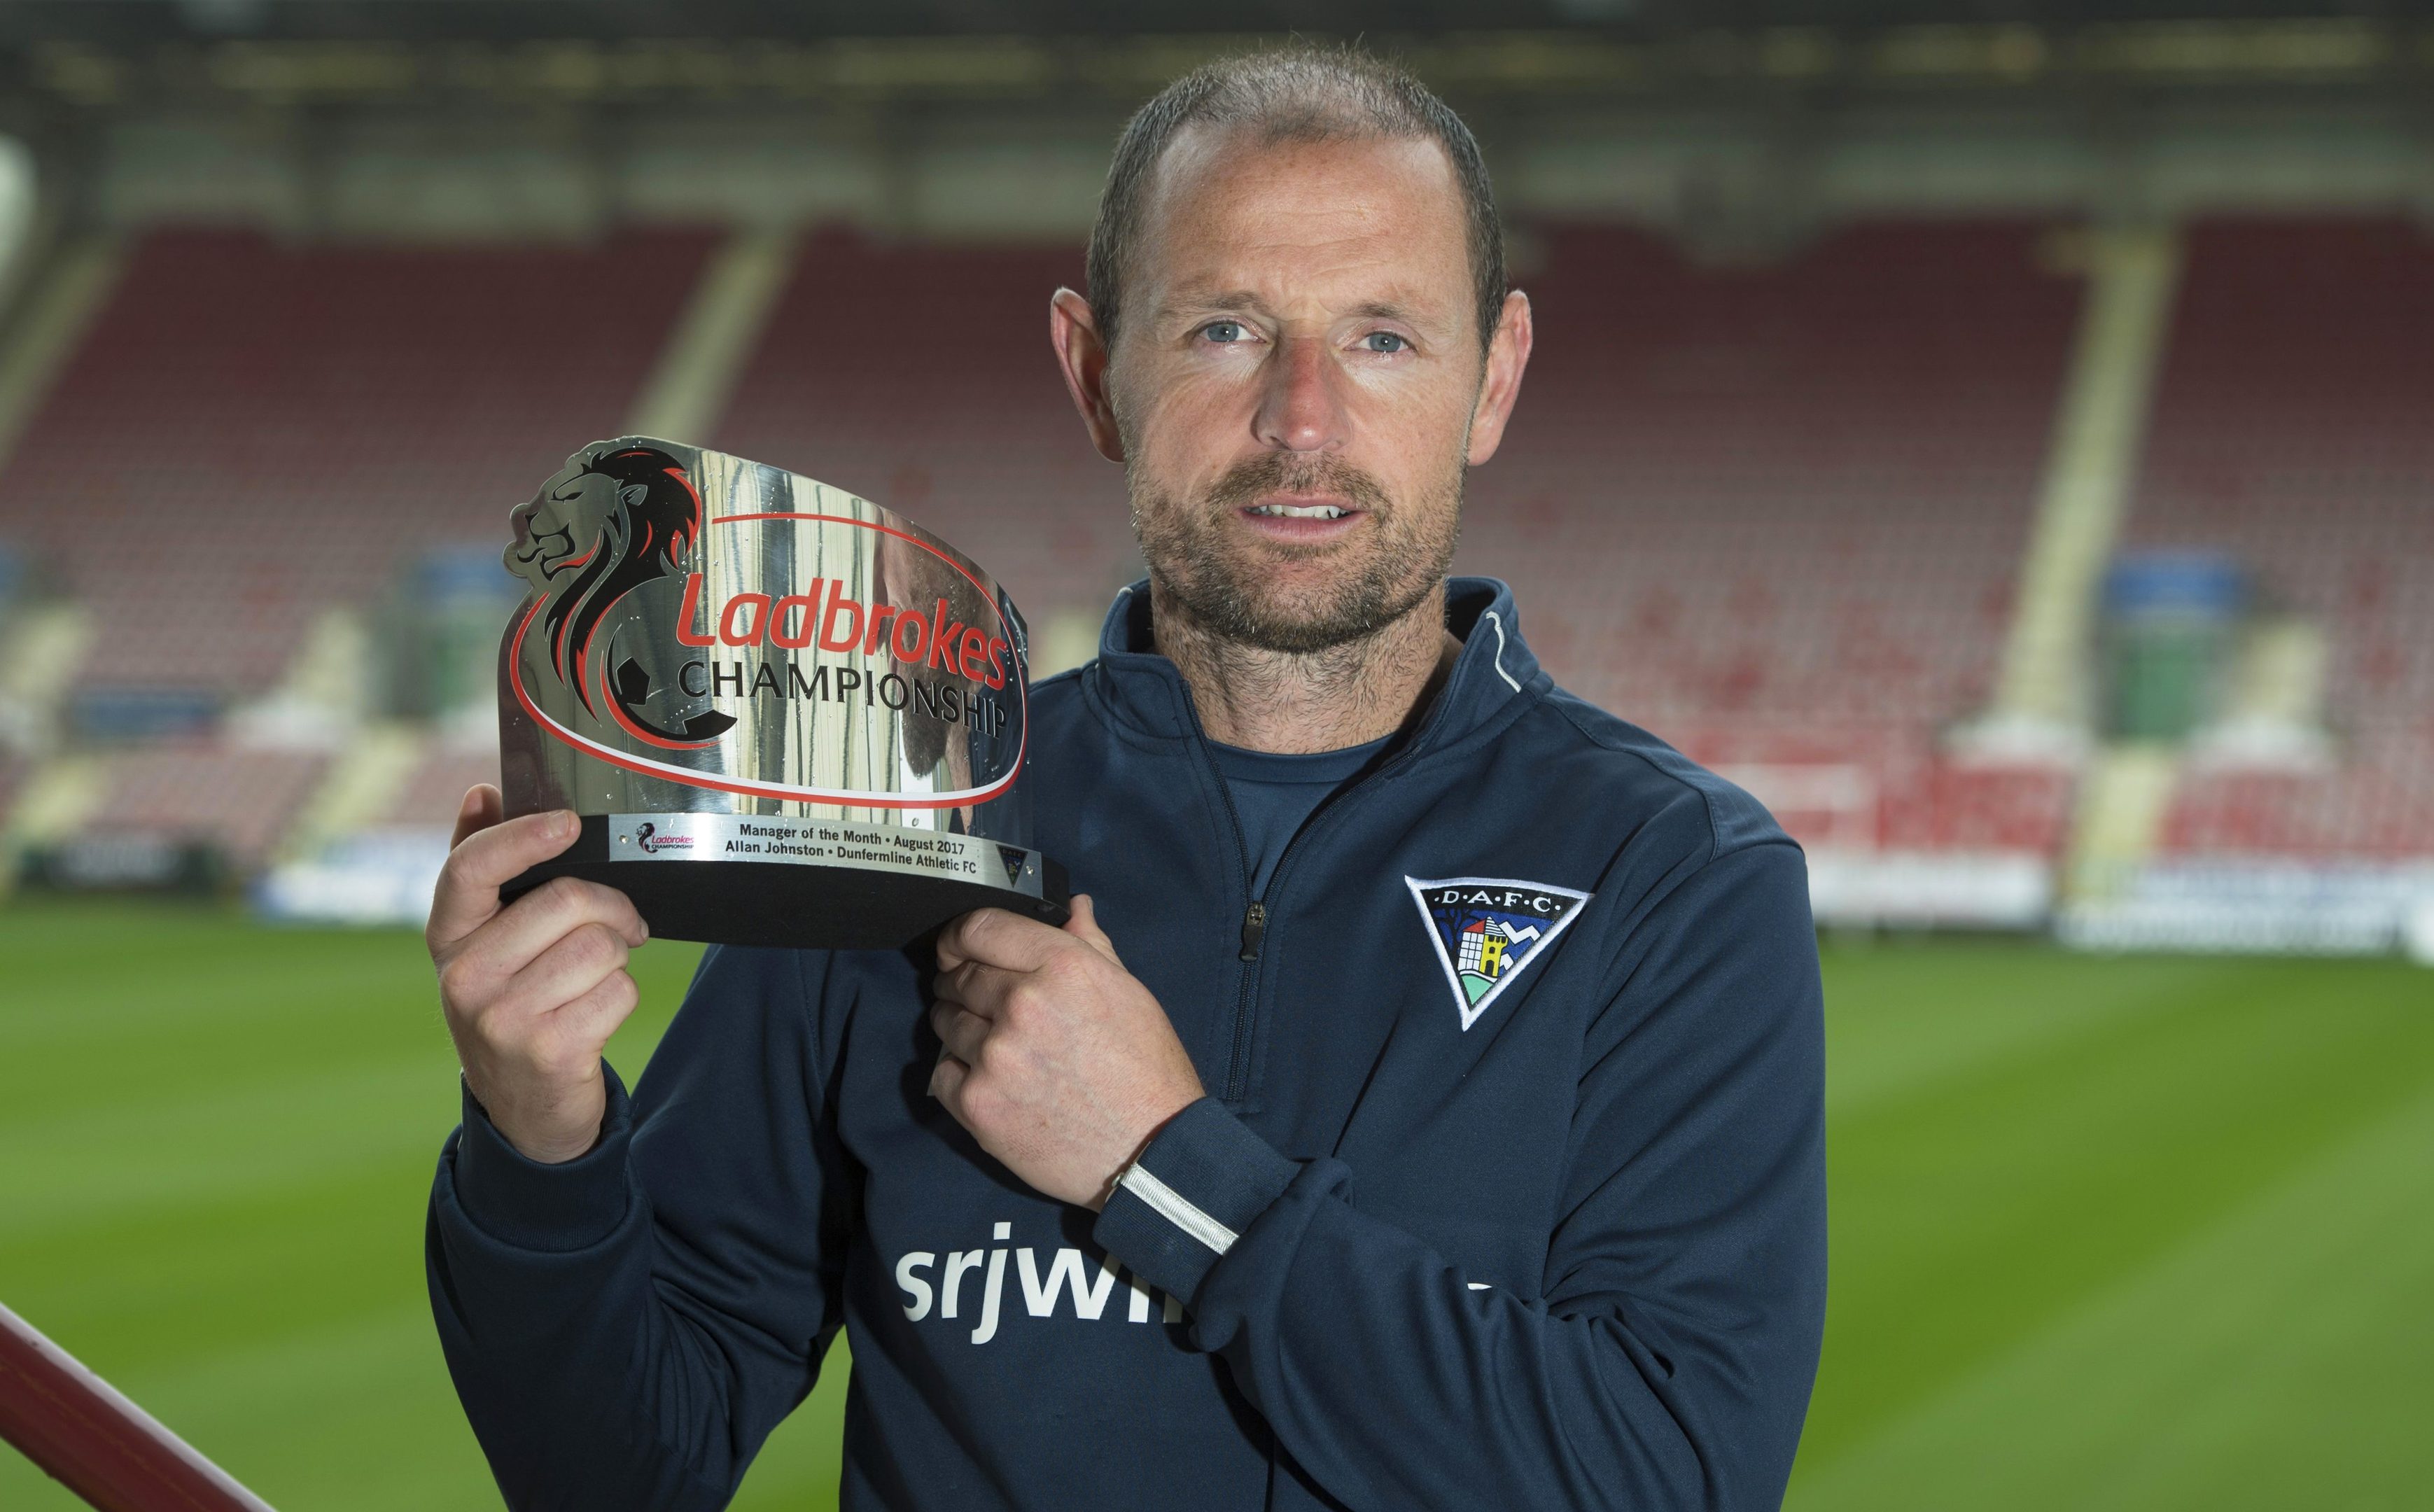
(786, 715)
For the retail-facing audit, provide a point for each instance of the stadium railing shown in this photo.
(96, 1442)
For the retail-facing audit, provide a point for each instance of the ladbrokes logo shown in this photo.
(653, 842)
(726, 625)
(627, 520)
(932, 640)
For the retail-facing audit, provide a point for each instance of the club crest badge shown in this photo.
(1488, 929)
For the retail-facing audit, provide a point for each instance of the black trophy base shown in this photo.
(787, 905)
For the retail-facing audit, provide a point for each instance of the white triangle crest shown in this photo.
(1488, 930)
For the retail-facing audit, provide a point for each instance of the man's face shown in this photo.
(1296, 384)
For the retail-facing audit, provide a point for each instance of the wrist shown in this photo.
(1178, 1207)
(563, 1129)
(528, 1205)
(1160, 1120)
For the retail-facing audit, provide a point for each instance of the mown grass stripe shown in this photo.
(1969, 1214)
(2284, 1358)
(1910, 1014)
(217, 1137)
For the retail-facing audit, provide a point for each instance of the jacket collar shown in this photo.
(1143, 690)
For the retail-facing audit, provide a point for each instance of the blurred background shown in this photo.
(1999, 435)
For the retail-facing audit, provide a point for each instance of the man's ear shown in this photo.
(1083, 358)
(1508, 353)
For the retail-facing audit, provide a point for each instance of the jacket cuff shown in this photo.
(551, 1209)
(1178, 1209)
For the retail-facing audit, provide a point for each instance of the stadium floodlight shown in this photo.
(96, 1442)
(16, 210)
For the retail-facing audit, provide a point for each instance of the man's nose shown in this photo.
(1301, 409)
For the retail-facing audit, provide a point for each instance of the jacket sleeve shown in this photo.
(626, 1328)
(1667, 1360)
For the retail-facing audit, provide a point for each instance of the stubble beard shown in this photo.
(1228, 589)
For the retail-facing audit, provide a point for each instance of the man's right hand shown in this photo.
(534, 990)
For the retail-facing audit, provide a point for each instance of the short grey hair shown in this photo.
(1288, 95)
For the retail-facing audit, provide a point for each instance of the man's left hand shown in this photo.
(1057, 1059)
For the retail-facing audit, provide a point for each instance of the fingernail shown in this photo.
(564, 822)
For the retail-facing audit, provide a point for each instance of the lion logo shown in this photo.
(616, 519)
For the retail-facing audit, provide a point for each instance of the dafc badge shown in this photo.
(1486, 929)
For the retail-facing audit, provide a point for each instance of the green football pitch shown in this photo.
(2107, 1233)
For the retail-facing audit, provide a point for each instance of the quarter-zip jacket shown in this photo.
(1557, 1244)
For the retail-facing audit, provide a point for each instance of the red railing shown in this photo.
(96, 1442)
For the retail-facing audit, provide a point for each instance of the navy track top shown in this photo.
(1508, 1192)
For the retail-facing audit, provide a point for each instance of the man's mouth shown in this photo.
(1303, 521)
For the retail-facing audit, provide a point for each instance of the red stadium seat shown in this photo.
(2294, 428)
(431, 795)
(252, 432)
(921, 377)
(1775, 514)
(237, 801)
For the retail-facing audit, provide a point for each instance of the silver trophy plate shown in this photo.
(786, 714)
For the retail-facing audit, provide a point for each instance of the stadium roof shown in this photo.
(125, 23)
(78, 57)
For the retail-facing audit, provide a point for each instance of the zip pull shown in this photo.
(1255, 928)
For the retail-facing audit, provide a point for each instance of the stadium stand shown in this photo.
(429, 796)
(235, 801)
(2294, 428)
(252, 432)
(921, 377)
(1775, 513)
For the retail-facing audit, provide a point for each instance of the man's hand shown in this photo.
(1059, 1062)
(532, 992)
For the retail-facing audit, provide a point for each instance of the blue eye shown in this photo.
(1222, 331)
(1385, 341)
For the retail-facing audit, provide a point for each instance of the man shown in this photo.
(1427, 1111)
